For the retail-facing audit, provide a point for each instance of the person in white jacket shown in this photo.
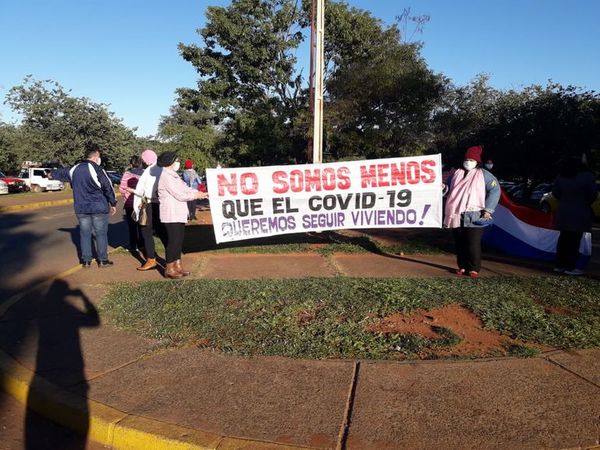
(147, 191)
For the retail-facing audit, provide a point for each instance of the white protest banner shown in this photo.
(255, 202)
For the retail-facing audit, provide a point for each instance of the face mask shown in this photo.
(176, 166)
(99, 161)
(489, 166)
(469, 165)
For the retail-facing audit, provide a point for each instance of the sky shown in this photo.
(124, 53)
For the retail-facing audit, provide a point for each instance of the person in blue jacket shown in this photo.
(473, 194)
(93, 200)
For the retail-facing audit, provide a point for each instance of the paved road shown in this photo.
(36, 244)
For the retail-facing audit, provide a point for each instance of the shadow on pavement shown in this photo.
(59, 359)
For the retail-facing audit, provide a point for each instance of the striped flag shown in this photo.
(528, 233)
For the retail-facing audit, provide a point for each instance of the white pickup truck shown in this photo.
(36, 178)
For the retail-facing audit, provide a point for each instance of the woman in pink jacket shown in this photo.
(173, 195)
(128, 183)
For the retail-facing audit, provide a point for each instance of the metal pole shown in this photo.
(311, 86)
(319, 69)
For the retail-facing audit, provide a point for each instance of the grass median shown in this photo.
(336, 317)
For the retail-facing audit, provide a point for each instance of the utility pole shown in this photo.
(319, 57)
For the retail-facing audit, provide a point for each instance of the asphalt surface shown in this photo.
(37, 244)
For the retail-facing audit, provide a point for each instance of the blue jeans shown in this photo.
(96, 224)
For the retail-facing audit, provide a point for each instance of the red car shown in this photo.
(14, 184)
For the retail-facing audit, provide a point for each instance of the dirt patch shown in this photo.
(475, 341)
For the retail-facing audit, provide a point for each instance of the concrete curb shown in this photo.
(104, 424)
(36, 205)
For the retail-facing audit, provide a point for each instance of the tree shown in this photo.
(379, 90)
(59, 127)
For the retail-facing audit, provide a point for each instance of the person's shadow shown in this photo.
(60, 362)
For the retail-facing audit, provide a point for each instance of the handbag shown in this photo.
(142, 216)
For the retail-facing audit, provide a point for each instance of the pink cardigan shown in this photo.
(173, 194)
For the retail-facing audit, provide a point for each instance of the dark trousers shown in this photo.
(175, 233)
(192, 209)
(468, 247)
(136, 240)
(567, 249)
(153, 225)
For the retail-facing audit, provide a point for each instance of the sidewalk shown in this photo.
(129, 392)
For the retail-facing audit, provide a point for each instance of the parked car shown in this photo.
(115, 177)
(14, 184)
(36, 179)
(549, 203)
(540, 190)
(3, 188)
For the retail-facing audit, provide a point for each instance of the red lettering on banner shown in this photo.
(397, 174)
(428, 174)
(413, 172)
(343, 174)
(280, 185)
(329, 179)
(297, 180)
(383, 175)
(368, 178)
(310, 180)
(224, 183)
(249, 183)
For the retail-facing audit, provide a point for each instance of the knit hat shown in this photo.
(166, 159)
(474, 153)
(188, 164)
(149, 157)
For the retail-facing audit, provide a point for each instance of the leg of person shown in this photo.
(132, 228)
(561, 262)
(191, 210)
(572, 243)
(179, 233)
(460, 249)
(100, 224)
(172, 252)
(148, 235)
(473, 250)
(159, 227)
(85, 239)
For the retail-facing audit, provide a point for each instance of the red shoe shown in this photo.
(474, 274)
(460, 272)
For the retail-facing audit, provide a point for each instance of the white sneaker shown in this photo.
(575, 272)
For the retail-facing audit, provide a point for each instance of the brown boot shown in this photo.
(180, 268)
(172, 272)
(149, 264)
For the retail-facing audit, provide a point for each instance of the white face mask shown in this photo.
(99, 161)
(176, 166)
(469, 165)
(489, 166)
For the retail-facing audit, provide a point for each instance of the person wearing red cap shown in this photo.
(473, 194)
(191, 178)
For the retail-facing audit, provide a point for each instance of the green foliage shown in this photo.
(380, 92)
(328, 318)
(526, 132)
(59, 127)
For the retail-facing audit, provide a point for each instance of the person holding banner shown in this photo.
(173, 196)
(473, 194)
